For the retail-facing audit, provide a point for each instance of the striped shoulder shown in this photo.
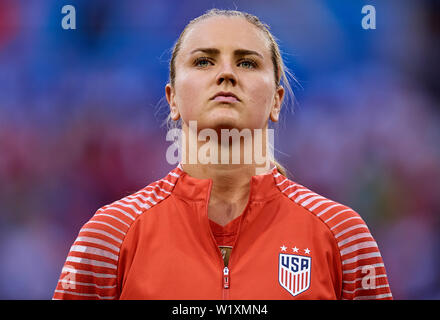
(90, 270)
(135, 204)
(363, 270)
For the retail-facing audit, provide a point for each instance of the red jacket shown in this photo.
(289, 243)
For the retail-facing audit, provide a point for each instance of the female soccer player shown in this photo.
(224, 230)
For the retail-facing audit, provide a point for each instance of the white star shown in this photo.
(283, 248)
(307, 250)
(295, 249)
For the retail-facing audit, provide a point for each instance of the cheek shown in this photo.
(188, 96)
(260, 99)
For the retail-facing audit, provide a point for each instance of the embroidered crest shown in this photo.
(294, 272)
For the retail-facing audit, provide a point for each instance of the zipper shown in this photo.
(226, 283)
(226, 272)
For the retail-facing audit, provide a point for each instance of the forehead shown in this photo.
(225, 33)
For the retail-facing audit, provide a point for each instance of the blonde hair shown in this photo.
(281, 72)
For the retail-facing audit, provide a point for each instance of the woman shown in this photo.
(224, 230)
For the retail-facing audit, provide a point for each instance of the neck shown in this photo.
(230, 181)
(230, 189)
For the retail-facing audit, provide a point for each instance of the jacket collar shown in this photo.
(262, 187)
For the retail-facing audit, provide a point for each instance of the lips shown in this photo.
(223, 96)
(225, 99)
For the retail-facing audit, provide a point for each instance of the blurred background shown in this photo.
(81, 113)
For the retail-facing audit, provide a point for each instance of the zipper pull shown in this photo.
(226, 278)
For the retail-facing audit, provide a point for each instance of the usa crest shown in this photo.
(294, 272)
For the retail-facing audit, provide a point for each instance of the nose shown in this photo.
(226, 75)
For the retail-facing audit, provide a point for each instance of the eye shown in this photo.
(202, 62)
(248, 64)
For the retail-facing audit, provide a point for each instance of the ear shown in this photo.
(170, 95)
(278, 101)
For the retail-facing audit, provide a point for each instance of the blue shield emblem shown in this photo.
(294, 272)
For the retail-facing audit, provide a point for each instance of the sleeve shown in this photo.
(91, 267)
(363, 271)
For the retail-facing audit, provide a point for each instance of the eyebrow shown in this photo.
(237, 52)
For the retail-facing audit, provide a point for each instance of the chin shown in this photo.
(224, 122)
(219, 117)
